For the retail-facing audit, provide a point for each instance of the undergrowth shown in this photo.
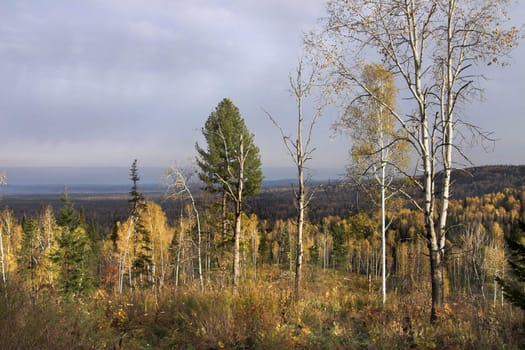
(336, 311)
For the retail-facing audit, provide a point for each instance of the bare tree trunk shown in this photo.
(300, 224)
(162, 265)
(224, 214)
(236, 248)
(179, 249)
(4, 279)
(436, 271)
(238, 212)
(325, 251)
(123, 259)
(254, 256)
(383, 237)
(199, 237)
(300, 197)
(300, 152)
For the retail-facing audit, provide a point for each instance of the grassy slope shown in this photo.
(337, 311)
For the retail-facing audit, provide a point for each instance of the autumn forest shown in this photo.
(409, 249)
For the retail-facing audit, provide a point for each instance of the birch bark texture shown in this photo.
(379, 152)
(435, 49)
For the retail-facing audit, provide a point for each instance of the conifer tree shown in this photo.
(73, 251)
(513, 286)
(218, 163)
(140, 237)
(67, 217)
(27, 258)
(230, 165)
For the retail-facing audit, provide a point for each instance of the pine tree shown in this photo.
(230, 165)
(218, 163)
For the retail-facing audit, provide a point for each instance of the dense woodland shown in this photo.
(65, 267)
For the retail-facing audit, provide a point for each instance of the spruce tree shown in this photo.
(28, 255)
(141, 255)
(67, 216)
(73, 252)
(514, 285)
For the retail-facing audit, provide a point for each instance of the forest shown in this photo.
(410, 250)
(67, 282)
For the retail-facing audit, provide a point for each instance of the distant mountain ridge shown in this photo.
(45, 178)
(481, 180)
(275, 200)
(467, 182)
(338, 198)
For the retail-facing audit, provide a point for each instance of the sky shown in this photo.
(99, 83)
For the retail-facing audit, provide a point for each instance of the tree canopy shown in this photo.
(219, 162)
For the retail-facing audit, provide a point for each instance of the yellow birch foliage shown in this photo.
(156, 223)
(11, 234)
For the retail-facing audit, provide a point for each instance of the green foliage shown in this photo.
(73, 252)
(67, 216)
(142, 259)
(72, 257)
(513, 285)
(315, 255)
(340, 251)
(219, 162)
(340, 308)
(28, 256)
(136, 201)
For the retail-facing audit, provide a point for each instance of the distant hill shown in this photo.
(481, 180)
(14, 190)
(338, 198)
(275, 200)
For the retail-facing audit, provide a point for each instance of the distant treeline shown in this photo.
(275, 200)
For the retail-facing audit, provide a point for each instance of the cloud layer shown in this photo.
(101, 82)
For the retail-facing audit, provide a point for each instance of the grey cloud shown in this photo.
(104, 81)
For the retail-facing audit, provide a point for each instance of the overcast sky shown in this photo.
(102, 82)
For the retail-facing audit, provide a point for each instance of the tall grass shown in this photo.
(336, 311)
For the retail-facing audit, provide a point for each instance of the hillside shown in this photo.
(343, 199)
(275, 200)
(340, 304)
(478, 181)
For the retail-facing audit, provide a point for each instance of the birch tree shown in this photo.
(177, 186)
(300, 150)
(435, 48)
(7, 226)
(379, 150)
(156, 223)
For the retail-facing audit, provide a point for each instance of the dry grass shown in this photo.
(336, 312)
